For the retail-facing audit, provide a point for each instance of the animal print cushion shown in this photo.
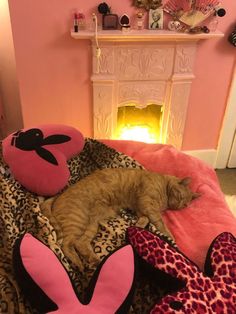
(212, 292)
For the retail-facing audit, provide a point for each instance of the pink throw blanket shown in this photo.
(194, 227)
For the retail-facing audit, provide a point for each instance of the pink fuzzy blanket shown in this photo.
(196, 226)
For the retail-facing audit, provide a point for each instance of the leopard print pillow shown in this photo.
(212, 292)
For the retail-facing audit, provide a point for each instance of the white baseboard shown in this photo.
(206, 155)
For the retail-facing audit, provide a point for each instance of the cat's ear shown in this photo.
(173, 194)
(185, 181)
(195, 195)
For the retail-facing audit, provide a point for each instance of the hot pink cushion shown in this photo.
(37, 156)
(111, 290)
(194, 227)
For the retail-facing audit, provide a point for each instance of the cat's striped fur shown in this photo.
(79, 209)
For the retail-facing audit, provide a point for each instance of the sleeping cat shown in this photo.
(79, 209)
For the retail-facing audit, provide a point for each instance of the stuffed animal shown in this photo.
(47, 285)
(37, 156)
(211, 292)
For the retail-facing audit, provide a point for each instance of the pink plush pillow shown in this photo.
(37, 156)
(48, 287)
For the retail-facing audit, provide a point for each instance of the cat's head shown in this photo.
(179, 194)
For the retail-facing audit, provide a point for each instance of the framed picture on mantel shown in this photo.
(155, 20)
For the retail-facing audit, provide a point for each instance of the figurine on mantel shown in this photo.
(125, 23)
(139, 20)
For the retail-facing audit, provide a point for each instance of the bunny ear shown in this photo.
(48, 287)
(56, 139)
(160, 254)
(221, 256)
(114, 286)
(44, 268)
(46, 155)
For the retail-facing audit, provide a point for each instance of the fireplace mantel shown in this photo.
(142, 67)
(144, 35)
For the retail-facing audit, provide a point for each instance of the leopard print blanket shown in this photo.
(20, 213)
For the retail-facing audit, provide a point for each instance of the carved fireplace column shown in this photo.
(181, 81)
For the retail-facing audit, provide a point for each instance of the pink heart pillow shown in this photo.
(37, 157)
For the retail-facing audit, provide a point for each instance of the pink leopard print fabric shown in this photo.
(211, 292)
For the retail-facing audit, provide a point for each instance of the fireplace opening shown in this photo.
(137, 123)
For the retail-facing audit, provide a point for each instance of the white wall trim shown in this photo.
(206, 155)
(228, 127)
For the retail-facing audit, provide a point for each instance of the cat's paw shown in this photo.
(93, 259)
(142, 222)
(85, 250)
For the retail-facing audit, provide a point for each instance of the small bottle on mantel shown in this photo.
(139, 20)
(81, 21)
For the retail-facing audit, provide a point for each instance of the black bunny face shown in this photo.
(33, 139)
(28, 140)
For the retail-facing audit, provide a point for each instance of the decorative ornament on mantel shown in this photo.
(109, 20)
(148, 4)
(194, 13)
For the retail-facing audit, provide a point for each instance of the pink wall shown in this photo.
(54, 69)
(8, 81)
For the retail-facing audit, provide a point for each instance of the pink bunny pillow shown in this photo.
(211, 292)
(37, 156)
(47, 285)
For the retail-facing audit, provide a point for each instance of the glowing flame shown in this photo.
(137, 133)
(143, 125)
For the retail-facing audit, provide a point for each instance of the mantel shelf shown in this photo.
(144, 35)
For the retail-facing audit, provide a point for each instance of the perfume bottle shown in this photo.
(81, 21)
(139, 20)
(110, 21)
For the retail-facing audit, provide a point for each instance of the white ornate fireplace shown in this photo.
(141, 68)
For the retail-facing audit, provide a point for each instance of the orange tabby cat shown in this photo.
(79, 209)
